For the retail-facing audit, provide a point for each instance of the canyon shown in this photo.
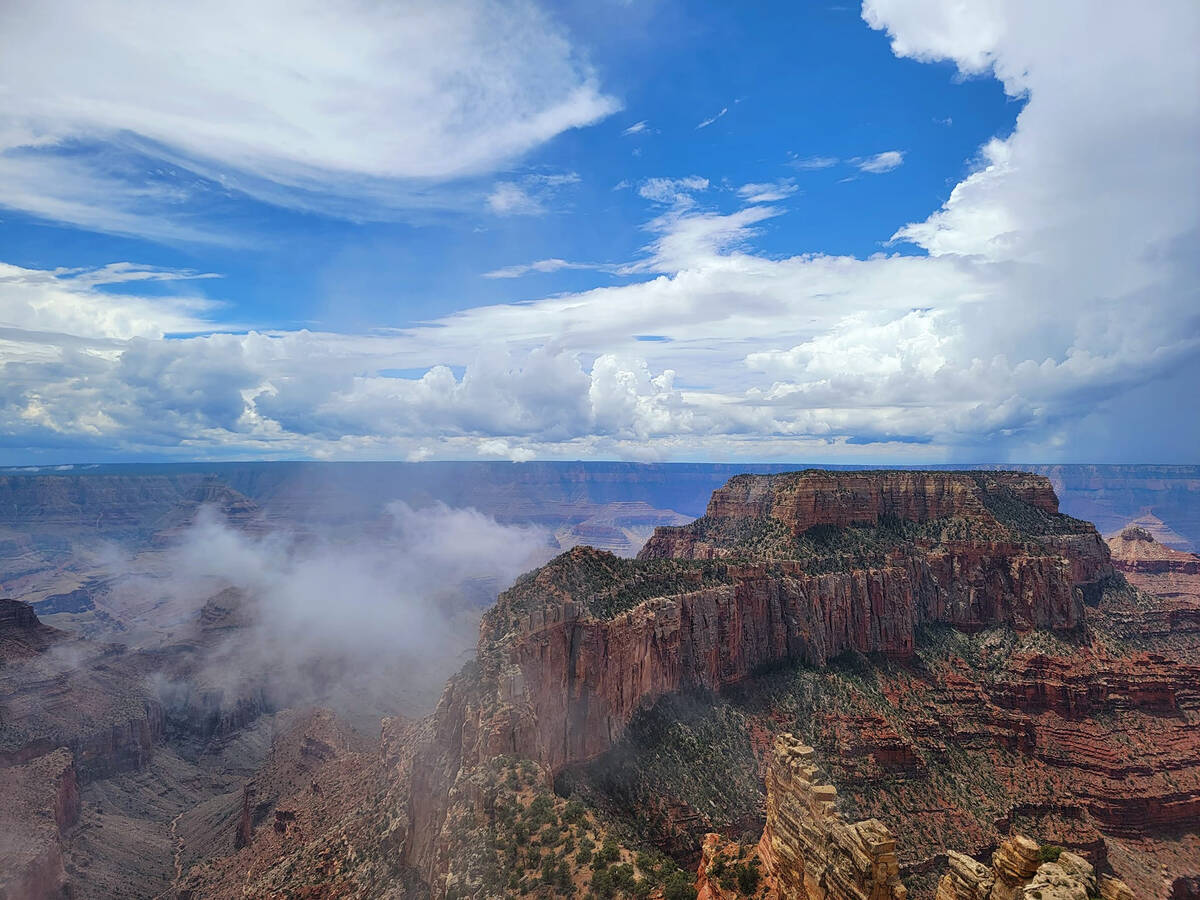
(811, 566)
(872, 680)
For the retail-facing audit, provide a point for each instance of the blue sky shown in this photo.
(650, 230)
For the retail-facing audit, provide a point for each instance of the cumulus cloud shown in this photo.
(37, 303)
(1058, 278)
(290, 102)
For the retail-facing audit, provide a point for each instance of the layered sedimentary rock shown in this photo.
(801, 500)
(801, 566)
(1022, 869)
(1160, 570)
(57, 691)
(1134, 550)
(40, 806)
(808, 850)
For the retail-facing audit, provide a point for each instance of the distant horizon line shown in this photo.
(49, 468)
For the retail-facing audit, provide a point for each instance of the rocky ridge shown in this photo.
(41, 807)
(1158, 569)
(797, 567)
(809, 851)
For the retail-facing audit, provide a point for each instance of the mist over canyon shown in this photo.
(236, 690)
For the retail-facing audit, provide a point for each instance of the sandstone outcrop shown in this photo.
(1160, 570)
(808, 850)
(802, 500)
(1134, 549)
(1023, 870)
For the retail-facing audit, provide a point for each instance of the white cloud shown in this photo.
(43, 303)
(286, 101)
(881, 162)
(769, 192)
(544, 266)
(708, 122)
(405, 596)
(500, 447)
(672, 191)
(530, 196)
(510, 199)
(1059, 277)
(814, 162)
(635, 128)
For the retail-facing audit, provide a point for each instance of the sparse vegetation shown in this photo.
(1049, 853)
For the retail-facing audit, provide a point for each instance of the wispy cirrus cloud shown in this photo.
(880, 162)
(767, 192)
(546, 266)
(293, 119)
(713, 119)
(813, 162)
(530, 195)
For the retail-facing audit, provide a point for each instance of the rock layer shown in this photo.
(571, 653)
(1022, 870)
(40, 807)
(808, 850)
(56, 690)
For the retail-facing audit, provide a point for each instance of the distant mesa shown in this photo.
(1157, 530)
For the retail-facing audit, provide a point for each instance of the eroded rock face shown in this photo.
(57, 690)
(808, 850)
(1158, 569)
(801, 500)
(571, 653)
(40, 806)
(1021, 870)
(1134, 549)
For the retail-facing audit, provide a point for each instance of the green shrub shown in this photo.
(1049, 853)
(610, 852)
(573, 812)
(747, 878)
(679, 887)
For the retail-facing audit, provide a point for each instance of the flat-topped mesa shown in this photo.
(17, 614)
(818, 497)
(571, 652)
(766, 513)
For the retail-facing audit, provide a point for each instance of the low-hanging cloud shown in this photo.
(371, 619)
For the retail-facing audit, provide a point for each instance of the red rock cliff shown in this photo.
(816, 497)
(568, 656)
